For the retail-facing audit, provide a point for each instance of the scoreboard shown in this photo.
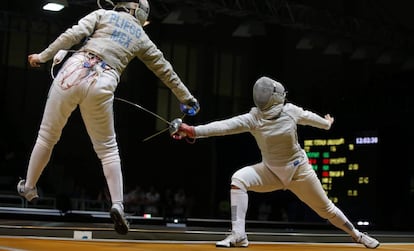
(346, 167)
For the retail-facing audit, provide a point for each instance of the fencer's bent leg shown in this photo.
(256, 178)
(250, 178)
(239, 202)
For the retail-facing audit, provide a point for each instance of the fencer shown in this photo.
(108, 41)
(284, 166)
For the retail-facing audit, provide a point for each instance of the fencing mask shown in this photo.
(138, 8)
(268, 92)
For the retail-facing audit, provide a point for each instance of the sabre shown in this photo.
(155, 134)
(173, 125)
(144, 109)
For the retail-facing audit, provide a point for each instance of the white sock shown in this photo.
(238, 201)
(113, 175)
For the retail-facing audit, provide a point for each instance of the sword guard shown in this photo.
(175, 126)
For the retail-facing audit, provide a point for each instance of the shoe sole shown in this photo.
(119, 222)
(232, 246)
(372, 247)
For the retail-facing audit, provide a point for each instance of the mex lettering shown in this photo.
(125, 30)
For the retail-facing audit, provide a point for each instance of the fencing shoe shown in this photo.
(121, 225)
(234, 240)
(367, 241)
(28, 193)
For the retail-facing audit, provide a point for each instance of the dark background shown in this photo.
(352, 59)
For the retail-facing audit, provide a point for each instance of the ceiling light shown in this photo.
(55, 5)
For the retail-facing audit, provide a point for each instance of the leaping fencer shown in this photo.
(108, 41)
(285, 165)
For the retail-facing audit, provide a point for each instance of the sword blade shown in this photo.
(156, 134)
(144, 109)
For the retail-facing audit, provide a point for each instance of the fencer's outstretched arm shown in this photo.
(234, 125)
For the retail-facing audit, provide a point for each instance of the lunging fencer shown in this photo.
(284, 165)
(108, 41)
